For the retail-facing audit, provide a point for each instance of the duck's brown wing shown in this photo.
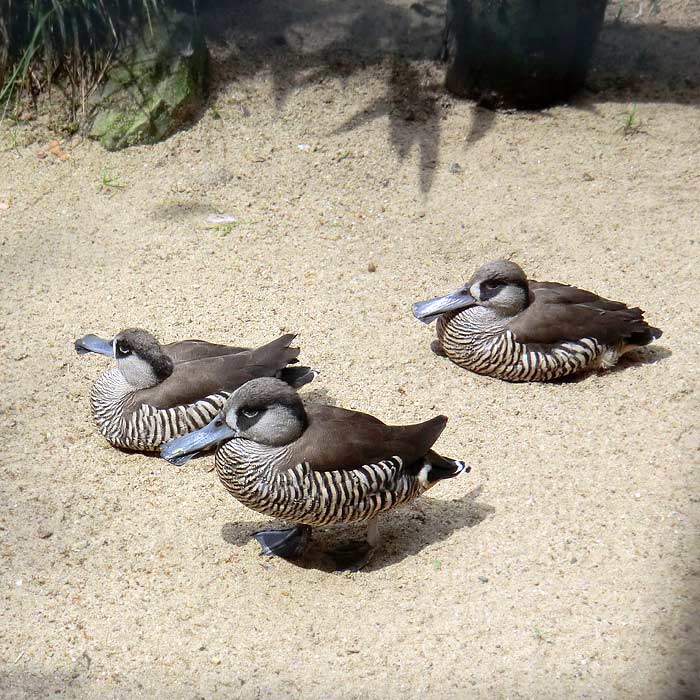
(187, 350)
(567, 294)
(194, 379)
(339, 439)
(559, 313)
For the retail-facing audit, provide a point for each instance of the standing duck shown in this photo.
(315, 465)
(503, 325)
(159, 392)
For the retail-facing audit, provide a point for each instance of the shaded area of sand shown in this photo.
(564, 565)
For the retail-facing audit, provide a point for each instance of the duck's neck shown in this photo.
(137, 373)
(240, 457)
(477, 321)
(112, 386)
(111, 400)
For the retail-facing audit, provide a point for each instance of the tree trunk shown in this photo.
(520, 53)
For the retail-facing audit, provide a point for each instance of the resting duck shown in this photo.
(315, 465)
(159, 392)
(503, 325)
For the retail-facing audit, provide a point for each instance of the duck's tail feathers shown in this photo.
(298, 376)
(436, 468)
(645, 336)
(276, 353)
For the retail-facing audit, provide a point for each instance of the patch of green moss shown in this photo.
(156, 85)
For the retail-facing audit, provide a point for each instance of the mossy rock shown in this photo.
(155, 86)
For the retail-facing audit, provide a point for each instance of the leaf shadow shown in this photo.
(310, 42)
(412, 108)
(314, 42)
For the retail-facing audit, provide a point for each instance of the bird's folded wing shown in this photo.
(186, 350)
(339, 439)
(195, 379)
(559, 313)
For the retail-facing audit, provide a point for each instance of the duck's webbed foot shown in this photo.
(436, 347)
(288, 543)
(353, 556)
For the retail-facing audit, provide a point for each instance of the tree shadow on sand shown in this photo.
(647, 63)
(308, 42)
(404, 532)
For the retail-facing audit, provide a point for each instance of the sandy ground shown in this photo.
(564, 566)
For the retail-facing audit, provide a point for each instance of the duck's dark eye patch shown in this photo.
(491, 284)
(247, 417)
(490, 288)
(123, 350)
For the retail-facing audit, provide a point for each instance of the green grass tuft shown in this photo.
(631, 123)
(41, 40)
(109, 182)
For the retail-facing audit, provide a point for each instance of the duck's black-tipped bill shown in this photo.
(182, 459)
(182, 449)
(92, 343)
(428, 311)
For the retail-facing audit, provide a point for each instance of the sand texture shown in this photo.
(565, 565)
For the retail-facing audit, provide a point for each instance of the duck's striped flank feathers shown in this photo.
(145, 427)
(483, 345)
(318, 498)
